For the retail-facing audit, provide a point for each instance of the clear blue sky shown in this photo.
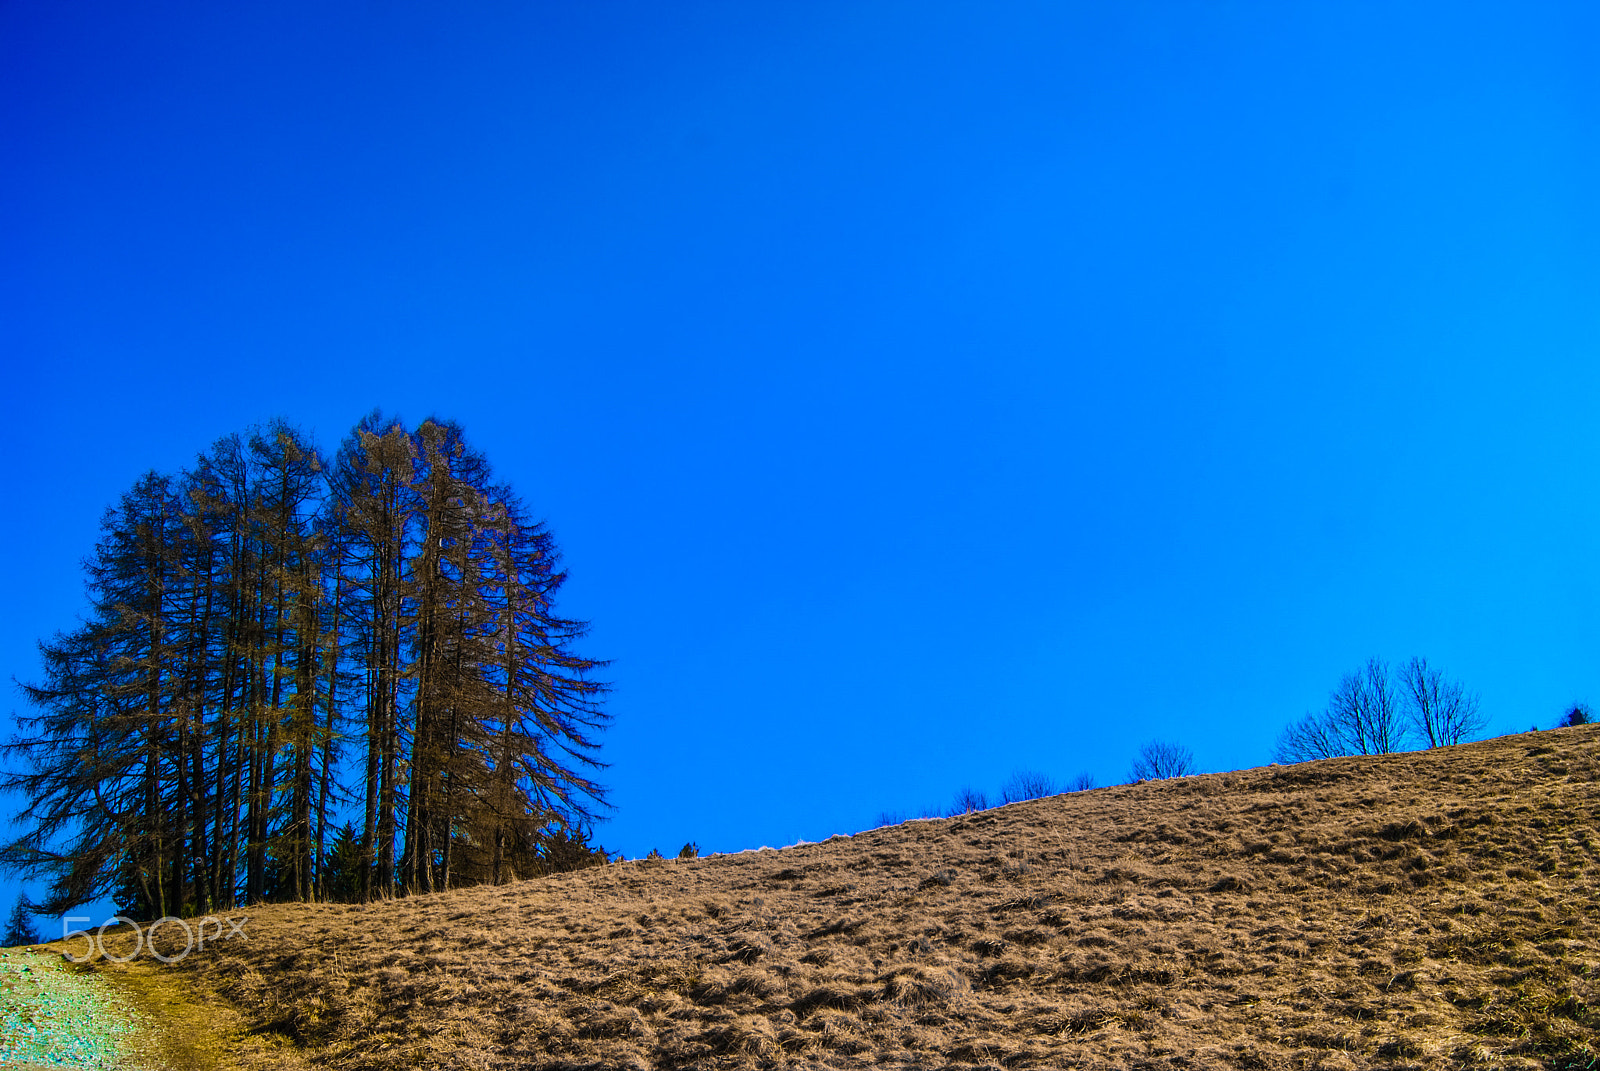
(918, 390)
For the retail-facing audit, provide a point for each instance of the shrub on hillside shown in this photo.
(1027, 785)
(1578, 715)
(969, 799)
(565, 849)
(1159, 760)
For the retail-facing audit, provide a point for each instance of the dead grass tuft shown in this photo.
(748, 1036)
(923, 987)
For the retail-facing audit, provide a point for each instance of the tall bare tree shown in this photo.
(449, 621)
(539, 739)
(1363, 717)
(1442, 712)
(374, 505)
(1367, 704)
(102, 747)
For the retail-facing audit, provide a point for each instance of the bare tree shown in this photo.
(1027, 785)
(1363, 717)
(969, 799)
(1366, 704)
(1442, 712)
(1315, 736)
(1159, 760)
(1082, 783)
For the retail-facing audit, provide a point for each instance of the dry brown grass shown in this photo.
(1426, 910)
(190, 1028)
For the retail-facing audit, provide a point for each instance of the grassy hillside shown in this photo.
(1430, 910)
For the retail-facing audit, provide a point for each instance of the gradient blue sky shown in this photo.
(919, 391)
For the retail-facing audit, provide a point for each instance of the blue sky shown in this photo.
(919, 391)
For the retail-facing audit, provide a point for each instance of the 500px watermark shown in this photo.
(146, 938)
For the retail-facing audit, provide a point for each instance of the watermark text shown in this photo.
(208, 929)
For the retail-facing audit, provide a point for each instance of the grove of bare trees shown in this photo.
(277, 640)
(1375, 711)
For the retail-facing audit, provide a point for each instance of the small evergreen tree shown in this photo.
(1578, 715)
(341, 878)
(567, 848)
(19, 927)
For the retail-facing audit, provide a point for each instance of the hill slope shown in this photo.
(1431, 909)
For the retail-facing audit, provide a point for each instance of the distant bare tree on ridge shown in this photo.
(1363, 717)
(1027, 785)
(1442, 712)
(969, 799)
(1159, 760)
